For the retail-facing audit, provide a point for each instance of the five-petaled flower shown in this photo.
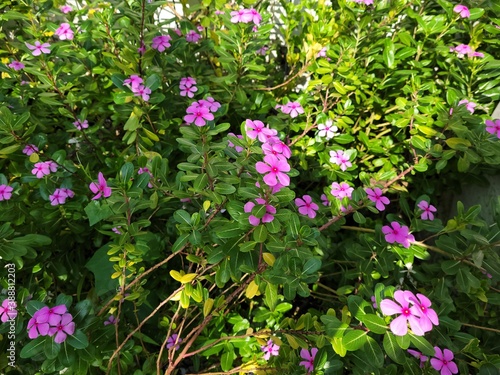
(133, 81)
(198, 114)
(257, 129)
(59, 196)
(270, 349)
(63, 327)
(266, 218)
(44, 168)
(111, 319)
(174, 341)
(38, 48)
(399, 326)
(327, 130)
(142, 91)
(308, 359)
(443, 362)
(307, 206)
(398, 233)
(469, 105)
(161, 42)
(246, 16)
(428, 316)
(29, 149)
(192, 36)
(100, 188)
(65, 9)
(493, 127)
(292, 108)
(274, 167)
(45, 319)
(79, 124)
(64, 32)
(462, 10)
(341, 159)
(8, 310)
(5, 192)
(463, 49)
(16, 65)
(375, 195)
(427, 209)
(341, 190)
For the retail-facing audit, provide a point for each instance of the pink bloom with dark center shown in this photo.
(8, 310)
(174, 341)
(419, 356)
(399, 326)
(5, 192)
(188, 91)
(308, 359)
(58, 197)
(443, 362)
(65, 9)
(29, 149)
(256, 129)
(38, 48)
(469, 105)
(427, 209)
(270, 349)
(268, 216)
(79, 124)
(462, 10)
(274, 167)
(493, 127)
(342, 190)
(187, 81)
(133, 81)
(255, 16)
(16, 65)
(192, 36)
(100, 188)
(37, 328)
(40, 169)
(50, 315)
(142, 91)
(341, 159)
(428, 316)
(64, 32)
(198, 115)
(210, 103)
(241, 15)
(293, 109)
(375, 195)
(307, 206)
(69, 193)
(398, 233)
(52, 165)
(161, 42)
(64, 327)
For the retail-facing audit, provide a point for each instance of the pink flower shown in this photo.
(241, 15)
(41, 169)
(463, 49)
(341, 159)
(366, 2)
(230, 144)
(142, 48)
(341, 190)
(274, 167)
(210, 103)
(52, 165)
(188, 91)
(111, 320)
(69, 193)
(187, 81)
(268, 216)
(38, 48)
(428, 210)
(293, 109)
(462, 10)
(192, 36)
(469, 105)
(178, 32)
(270, 349)
(64, 327)
(101, 188)
(256, 129)
(428, 316)
(58, 197)
(325, 201)
(174, 341)
(255, 16)
(321, 53)
(277, 148)
(16, 65)
(116, 229)
(443, 362)
(262, 51)
(307, 206)
(161, 42)
(493, 127)
(198, 114)
(29, 149)
(399, 326)
(374, 302)
(142, 91)
(79, 124)
(398, 233)
(65, 9)
(375, 195)
(418, 355)
(50, 315)
(133, 81)
(37, 328)
(308, 362)
(8, 310)
(327, 130)
(5, 192)
(64, 32)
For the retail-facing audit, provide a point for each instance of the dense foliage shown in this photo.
(251, 186)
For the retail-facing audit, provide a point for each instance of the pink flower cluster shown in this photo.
(65, 9)
(398, 233)
(463, 49)
(246, 16)
(412, 309)
(5, 192)
(291, 108)
(188, 86)
(8, 310)
(192, 36)
(493, 127)
(51, 321)
(268, 216)
(462, 10)
(64, 32)
(375, 195)
(60, 195)
(44, 168)
(341, 159)
(100, 188)
(201, 112)
(160, 43)
(342, 190)
(134, 82)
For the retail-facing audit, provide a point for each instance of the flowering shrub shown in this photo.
(160, 181)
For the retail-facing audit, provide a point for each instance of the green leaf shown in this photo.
(126, 172)
(260, 233)
(392, 348)
(271, 296)
(356, 306)
(373, 352)
(34, 347)
(51, 349)
(388, 54)
(353, 340)
(224, 189)
(422, 344)
(97, 212)
(78, 340)
(228, 231)
(374, 323)
(182, 217)
(226, 361)
(311, 266)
